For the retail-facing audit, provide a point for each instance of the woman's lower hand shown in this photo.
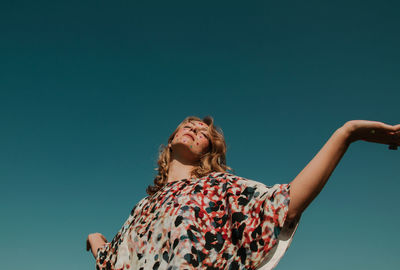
(94, 239)
(373, 131)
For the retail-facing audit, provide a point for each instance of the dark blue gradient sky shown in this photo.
(90, 89)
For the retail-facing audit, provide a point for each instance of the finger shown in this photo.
(388, 127)
(397, 127)
(383, 137)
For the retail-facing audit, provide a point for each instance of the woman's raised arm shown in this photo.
(310, 181)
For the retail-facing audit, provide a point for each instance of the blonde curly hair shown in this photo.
(212, 161)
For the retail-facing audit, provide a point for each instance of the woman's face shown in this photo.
(191, 140)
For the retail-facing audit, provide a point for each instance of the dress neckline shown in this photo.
(193, 178)
(181, 180)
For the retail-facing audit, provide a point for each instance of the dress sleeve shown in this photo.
(106, 255)
(259, 224)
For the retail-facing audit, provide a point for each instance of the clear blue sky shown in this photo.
(90, 89)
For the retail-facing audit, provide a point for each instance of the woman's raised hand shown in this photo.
(373, 131)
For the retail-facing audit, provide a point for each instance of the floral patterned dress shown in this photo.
(219, 221)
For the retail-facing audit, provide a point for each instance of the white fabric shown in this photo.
(284, 239)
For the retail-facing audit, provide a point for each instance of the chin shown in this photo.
(184, 151)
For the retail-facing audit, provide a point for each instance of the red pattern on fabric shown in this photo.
(220, 220)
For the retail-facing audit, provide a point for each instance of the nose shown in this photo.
(194, 129)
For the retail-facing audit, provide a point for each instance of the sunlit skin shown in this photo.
(188, 145)
(190, 142)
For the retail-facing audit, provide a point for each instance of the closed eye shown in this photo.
(203, 133)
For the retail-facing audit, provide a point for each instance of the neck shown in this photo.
(179, 170)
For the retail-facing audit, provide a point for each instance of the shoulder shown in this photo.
(236, 180)
(222, 176)
(140, 204)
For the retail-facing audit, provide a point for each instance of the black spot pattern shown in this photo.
(220, 221)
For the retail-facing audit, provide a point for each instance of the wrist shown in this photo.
(347, 131)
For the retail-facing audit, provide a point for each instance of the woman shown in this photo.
(198, 215)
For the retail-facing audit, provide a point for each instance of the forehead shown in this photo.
(198, 124)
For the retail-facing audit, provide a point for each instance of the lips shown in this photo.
(187, 134)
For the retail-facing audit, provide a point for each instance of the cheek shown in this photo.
(204, 140)
(178, 134)
(203, 143)
(179, 137)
